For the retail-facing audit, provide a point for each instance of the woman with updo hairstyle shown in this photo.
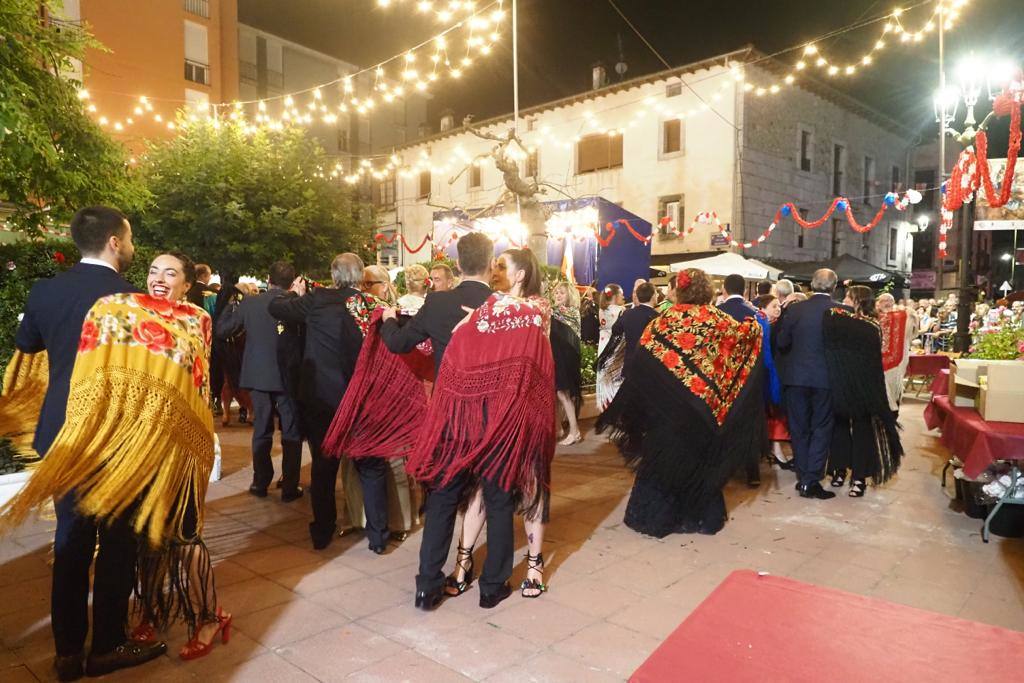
(689, 412)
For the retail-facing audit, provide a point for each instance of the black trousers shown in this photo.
(439, 526)
(853, 447)
(373, 478)
(73, 547)
(810, 425)
(264, 405)
(323, 478)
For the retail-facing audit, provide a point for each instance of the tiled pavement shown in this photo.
(345, 613)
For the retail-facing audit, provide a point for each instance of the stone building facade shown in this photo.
(670, 145)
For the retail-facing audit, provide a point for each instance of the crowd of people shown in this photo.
(445, 402)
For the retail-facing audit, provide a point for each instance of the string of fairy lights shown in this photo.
(471, 34)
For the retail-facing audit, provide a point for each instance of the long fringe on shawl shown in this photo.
(25, 383)
(669, 437)
(132, 442)
(175, 583)
(853, 353)
(494, 420)
(384, 404)
(609, 369)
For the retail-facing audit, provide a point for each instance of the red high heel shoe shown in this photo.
(143, 633)
(194, 649)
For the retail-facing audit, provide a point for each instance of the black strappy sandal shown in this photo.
(535, 562)
(464, 559)
(838, 479)
(857, 488)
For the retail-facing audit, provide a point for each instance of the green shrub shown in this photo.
(1006, 343)
(588, 365)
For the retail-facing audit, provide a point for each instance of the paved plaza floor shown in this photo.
(345, 613)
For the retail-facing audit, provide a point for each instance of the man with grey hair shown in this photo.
(804, 374)
(784, 291)
(333, 339)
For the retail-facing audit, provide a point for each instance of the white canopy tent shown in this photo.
(728, 263)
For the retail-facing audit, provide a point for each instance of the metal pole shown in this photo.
(515, 66)
(964, 275)
(942, 144)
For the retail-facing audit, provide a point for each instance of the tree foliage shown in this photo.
(241, 199)
(53, 158)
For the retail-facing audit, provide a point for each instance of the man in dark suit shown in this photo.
(198, 291)
(263, 376)
(332, 342)
(804, 376)
(735, 305)
(632, 323)
(52, 322)
(436, 321)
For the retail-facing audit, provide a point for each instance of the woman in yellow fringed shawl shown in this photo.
(138, 441)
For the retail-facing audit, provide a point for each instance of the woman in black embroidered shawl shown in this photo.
(686, 415)
(865, 438)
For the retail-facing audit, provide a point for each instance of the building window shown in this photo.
(424, 184)
(200, 8)
(674, 209)
(838, 161)
(869, 179)
(671, 137)
(924, 182)
(896, 184)
(475, 176)
(197, 53)
(384, 193)
(800, 230)
(673, 89)
(894, 244)
(806, 150)
(197, 73)
(344, 140)
(533, 164)
(598, 152)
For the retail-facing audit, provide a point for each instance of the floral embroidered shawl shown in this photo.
(139, 432)
(706, 351)
(492, 410)
(894, 341)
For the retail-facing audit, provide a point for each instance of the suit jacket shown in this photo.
(632, 324)
(197, 294)
(260, 368)
(435, 321)
(801, 344)
(738, 309)
(52, 321)
(332, 345)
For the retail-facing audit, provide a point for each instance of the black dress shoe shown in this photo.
(294, 494)
(815, 491)
(491, 600)
(378, 549)
(321, 537)
(428, 601)
(69, 668)
(124, 656)
(259, 492)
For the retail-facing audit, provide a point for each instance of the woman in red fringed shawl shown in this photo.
(525, 436)
(379, 417)
(687, 416)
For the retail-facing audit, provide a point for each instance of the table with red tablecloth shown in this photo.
(977, 442)
(940, 385)
(927, 364)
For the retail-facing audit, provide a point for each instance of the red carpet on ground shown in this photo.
(769, 628)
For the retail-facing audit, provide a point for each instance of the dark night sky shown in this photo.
(561, 39)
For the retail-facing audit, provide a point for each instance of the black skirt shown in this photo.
(565, 347)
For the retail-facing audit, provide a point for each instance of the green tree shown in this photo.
(53, 158)
(241, 199)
